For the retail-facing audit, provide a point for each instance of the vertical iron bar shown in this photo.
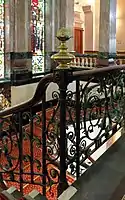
(123, 121)
(62, 87)
(21, 151)
(77, 129)
(44, 170)
(31, 145)
(4, 4)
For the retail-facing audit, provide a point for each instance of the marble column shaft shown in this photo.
(18, 35)
(96, 22)
(9, 34)
(107, 26)
(22, 26)
(67, 19)
(22, 34)
(58, 14)
(88, 32)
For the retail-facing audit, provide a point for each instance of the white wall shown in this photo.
(87, 43)
(23, 93)
(120, 21)
(120, 36)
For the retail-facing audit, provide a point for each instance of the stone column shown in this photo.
(67, 19)
(18, 33)
(58, 14)
(48, 33)
(107, 26)
(88, 31)
(22, 26)
(104, 26)
(96, 20)
(9, 34)
(22, 56)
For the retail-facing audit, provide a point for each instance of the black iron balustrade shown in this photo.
(100, 105)
(19, 144)
(88, 110)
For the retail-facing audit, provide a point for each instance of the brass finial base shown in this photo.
(63, 57)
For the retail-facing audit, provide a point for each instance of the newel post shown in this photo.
(62, 73)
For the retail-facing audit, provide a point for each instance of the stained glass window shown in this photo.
(1, 38)
(37, 36)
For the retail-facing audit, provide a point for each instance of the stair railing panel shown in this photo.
(42, 148)
(94, 113)
(22, 162)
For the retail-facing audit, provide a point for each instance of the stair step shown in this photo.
(35, 195)
(3, 186)
(123, 198)
(12, 193)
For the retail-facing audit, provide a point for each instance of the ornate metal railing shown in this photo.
(83, 118)
(19, 164)
(42, 147)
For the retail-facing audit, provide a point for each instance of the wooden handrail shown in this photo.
(92, 54)
(96, 71)
(44, 82)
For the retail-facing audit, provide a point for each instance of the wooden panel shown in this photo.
(78, 40)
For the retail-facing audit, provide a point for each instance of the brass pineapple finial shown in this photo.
(63, 57)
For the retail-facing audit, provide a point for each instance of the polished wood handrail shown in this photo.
(97, 71)
(92, 54)
(42, 85)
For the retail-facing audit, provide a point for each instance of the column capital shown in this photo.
(77, 19)
(86, 9)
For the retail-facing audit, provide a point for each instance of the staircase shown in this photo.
(46, 146)
(29, 187)
(13, 194)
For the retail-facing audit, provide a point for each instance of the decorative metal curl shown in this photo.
(55, 95)
(9, 140)
(52, 176)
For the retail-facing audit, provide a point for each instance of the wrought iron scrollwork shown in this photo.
(101, 108)
(52, 143)
(33, 146)
(9, 140)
